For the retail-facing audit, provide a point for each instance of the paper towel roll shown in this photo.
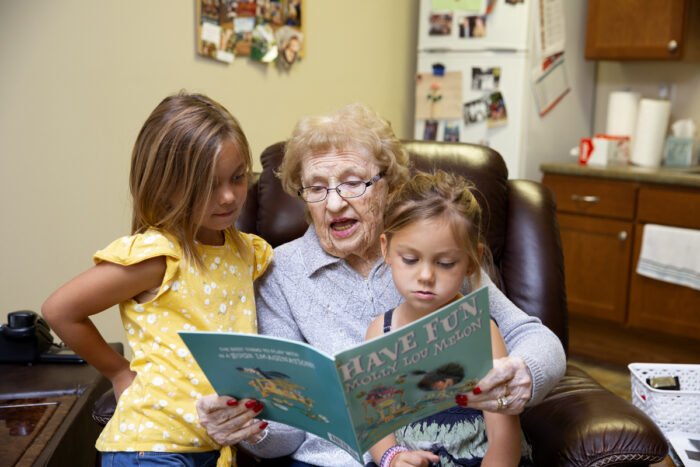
(650, 132)
(622, 113)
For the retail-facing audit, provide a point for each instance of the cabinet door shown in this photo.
(655, 304)
(596, 265)
(636, 29)
(661, 306)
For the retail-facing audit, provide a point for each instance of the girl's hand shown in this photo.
(229, 421)
(414, 459)
(510, 380)
(121, 381)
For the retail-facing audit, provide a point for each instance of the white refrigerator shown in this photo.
(526, 139)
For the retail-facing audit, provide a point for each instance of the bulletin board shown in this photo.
(267, 31)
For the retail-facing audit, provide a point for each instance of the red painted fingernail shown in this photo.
(258, 407)
(477, 390)
(262, 425)
(232, 402)
(250, 404)
(461, 400)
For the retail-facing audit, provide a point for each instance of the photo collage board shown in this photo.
(267, 31)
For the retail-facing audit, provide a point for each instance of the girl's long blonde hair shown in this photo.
(172, 165)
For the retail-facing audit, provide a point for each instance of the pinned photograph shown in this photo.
(475, 111)
(249, 8)
(271, 11)
(264, 46)
(289, 44)
(440, 24)
(210, 39)
(497, 110)
(431, 128)
(228, 11)
(243, 28)
(226, 46)
(486, 79)
(210, 11)
(293, 15)
(451, 131)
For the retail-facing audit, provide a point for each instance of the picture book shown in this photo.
(361, 394)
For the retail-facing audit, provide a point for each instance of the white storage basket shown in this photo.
(670, 410)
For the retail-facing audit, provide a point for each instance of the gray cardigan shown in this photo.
(308, 295)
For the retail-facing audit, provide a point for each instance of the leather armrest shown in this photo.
(104, 407)
(581, 423)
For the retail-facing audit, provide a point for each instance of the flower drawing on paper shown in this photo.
(434, 95)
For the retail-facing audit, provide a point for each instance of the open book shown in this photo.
(362, 394)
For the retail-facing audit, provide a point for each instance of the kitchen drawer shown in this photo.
(593, 196)
(669, 206)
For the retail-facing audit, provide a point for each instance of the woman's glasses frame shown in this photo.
(347, 190)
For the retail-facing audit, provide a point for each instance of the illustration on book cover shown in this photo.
(275, 388)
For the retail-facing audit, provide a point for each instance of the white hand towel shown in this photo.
(670, 254)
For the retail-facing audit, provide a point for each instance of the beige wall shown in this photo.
(645, 77)
(79, 78)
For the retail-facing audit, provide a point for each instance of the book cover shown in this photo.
(360, 395)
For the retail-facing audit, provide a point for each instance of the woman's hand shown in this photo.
(121, 381)
(505, 389)
(229, 421)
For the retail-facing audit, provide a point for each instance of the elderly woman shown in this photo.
(326, 287)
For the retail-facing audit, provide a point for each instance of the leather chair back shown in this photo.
(519, 219)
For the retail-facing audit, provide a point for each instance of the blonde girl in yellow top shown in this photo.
(185, 267)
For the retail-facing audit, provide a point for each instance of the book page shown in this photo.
(417, 370)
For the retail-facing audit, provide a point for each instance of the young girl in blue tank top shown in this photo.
(432, 241)
(184, 267)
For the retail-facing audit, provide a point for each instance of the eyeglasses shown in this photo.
(316, 194)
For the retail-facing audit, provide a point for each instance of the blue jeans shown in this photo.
(160, 459)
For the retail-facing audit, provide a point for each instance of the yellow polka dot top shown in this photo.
(157, 412)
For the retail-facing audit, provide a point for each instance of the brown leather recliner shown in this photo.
(579, 423)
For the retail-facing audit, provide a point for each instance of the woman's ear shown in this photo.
(480, 250)
(384, 242)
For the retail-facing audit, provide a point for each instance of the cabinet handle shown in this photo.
(586, 199)
(672, 46)
(622, 235)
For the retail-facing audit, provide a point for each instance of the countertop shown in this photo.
(689, 177)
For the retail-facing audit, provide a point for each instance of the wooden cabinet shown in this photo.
(643, 29)
(601, 222)
(596, 227)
